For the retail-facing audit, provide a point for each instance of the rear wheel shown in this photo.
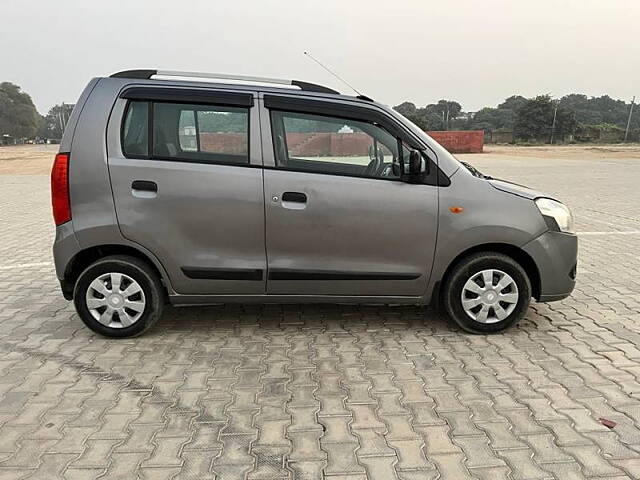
(487, 292)
(118, 296)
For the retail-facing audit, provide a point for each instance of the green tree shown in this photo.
(513, 103)
(52, 124)
(600, 110)
(417, 115)
(503, 116)
(534, 119)
(492, 119)
(435, 116)
(18, 116)
(596, 113)
(446, 110)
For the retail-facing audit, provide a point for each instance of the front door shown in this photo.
(339, 221)
(185, 188)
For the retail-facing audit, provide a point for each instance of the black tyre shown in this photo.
(119, 296)
(486, 292)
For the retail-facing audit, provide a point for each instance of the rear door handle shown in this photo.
(294, 200)
(144, 188)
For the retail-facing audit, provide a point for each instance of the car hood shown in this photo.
(516, 189)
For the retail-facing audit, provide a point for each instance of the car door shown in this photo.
(339, 220)
(185, 186)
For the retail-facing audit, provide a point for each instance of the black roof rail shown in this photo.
(313, 87)
(147, 74)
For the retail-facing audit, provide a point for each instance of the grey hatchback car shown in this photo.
(195, 188)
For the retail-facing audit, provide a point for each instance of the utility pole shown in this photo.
(553, 124)
(447, 115)
(626, 132)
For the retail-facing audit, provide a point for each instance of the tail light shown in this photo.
(60, 189)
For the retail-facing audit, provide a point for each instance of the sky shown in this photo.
(477, 52)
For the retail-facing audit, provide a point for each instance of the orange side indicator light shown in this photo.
(456, 209)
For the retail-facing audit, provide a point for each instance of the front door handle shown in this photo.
(294, 200)
(146, 185)
(144, 188)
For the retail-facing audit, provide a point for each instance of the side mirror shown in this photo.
(412, 167)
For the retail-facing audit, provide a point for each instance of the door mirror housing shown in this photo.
(412, 166)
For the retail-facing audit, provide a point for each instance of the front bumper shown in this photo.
(556, 256)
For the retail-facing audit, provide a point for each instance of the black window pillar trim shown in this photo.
(189, 95)
(342, 110)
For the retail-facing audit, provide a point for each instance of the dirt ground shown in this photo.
(587, 152)
(37, 159)
(27, 159)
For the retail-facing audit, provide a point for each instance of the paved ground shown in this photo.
(329, 391)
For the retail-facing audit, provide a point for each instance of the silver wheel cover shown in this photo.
(115, 300)
(489, 296)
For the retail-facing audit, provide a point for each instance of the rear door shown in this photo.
(339, 219)
(187, 185)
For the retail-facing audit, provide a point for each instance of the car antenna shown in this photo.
(337, 76)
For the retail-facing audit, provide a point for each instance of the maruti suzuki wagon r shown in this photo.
(204, 188)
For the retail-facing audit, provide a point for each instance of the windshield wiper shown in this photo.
(475, 172)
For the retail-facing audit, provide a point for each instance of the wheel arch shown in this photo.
(516, 253)
(86, 257)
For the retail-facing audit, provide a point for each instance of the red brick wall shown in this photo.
(460, 141)
(338, 144)
(328, 144)
(230, 143)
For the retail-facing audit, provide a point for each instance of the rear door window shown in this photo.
(187, 132)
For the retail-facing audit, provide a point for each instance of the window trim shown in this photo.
(345, 111)
(151, 156)
(189, 95)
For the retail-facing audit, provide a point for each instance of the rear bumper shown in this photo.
(65, 247)
(556, 256)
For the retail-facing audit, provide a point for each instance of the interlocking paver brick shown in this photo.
(437, 440)
(545, 449)
(310, 470)
(342, 459)
(478, 452)
(591, 462)
(611, 446)
(306, 446)
(410, 455)
(372, 443)
(522, 465)
(565, 433)
(344, 392)
(451, 466)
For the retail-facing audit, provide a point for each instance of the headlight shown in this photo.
(556, 211)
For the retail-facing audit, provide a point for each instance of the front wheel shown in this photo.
(118, 296)
(487, 292)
